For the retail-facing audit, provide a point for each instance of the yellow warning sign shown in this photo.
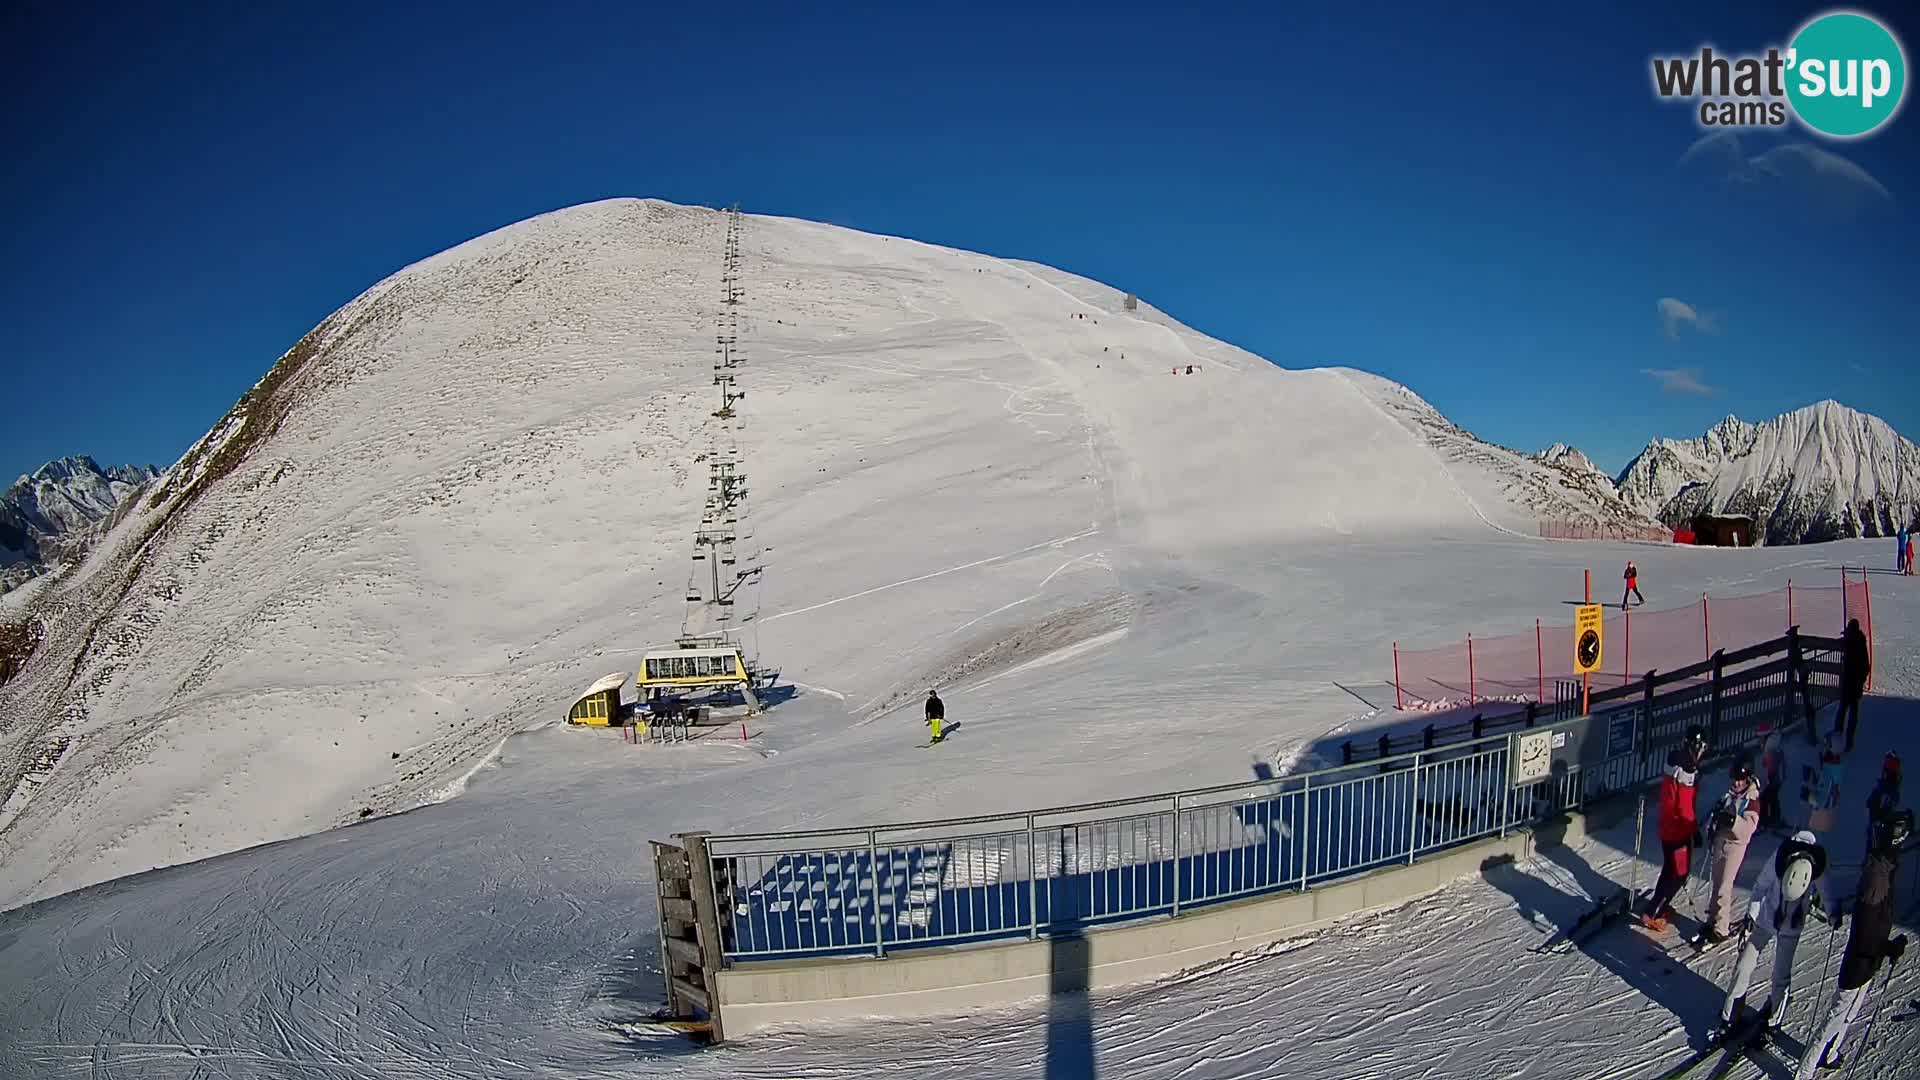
(1587, 638)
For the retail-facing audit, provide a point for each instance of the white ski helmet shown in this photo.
(1797, 878)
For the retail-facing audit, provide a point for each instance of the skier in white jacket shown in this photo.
(1792, 886)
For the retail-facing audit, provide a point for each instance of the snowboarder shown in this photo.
(1772, 775)
(1820, 788)
(1732, 826)
(1856, 664)
(936, 716)
(1679, 827)
(1793, 884)
(1866, 947)
(1633, 586)
(1885, 797)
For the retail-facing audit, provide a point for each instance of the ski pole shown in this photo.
(1866, 1034)
(1819, 1006)
(1639, 830)
(1694, 875)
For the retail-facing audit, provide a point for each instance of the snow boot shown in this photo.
(1707, 938)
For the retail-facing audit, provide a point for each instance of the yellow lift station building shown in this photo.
(671, 671)
(599, 705)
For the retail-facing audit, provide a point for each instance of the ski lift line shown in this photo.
(1057, 541)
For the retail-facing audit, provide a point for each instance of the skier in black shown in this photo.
(1868, 945)
(1885, 797)
(936, 715)
(1855, 665)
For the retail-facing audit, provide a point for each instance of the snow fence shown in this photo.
(1562, 529)
(1525, 666)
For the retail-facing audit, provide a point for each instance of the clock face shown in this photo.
(1588, 650)
(1533, 757)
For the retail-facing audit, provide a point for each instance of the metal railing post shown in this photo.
(873, 863)
(1413, 811)
(1176, 855)
(1306, 830)
(1504, 783)
(1033, 884)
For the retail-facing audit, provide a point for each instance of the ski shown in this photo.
(1723, 1053)
(1700, 946)
(1740, 1046)
(1591, 922)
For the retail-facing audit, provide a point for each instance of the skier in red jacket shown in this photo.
(1679, 827)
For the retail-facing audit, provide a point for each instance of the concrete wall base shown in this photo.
(948, 981)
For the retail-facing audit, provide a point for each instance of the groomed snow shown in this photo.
(1123, 580)
(509, 932)
(477, 493)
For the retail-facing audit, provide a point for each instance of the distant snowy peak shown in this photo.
(1822, 472)
(47, 515)
(1568, 457)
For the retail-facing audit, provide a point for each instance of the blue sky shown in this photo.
(1490, 210)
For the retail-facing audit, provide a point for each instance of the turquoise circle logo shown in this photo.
(1847, 74)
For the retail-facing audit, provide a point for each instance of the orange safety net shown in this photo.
(1523, 667)
(1553, 529)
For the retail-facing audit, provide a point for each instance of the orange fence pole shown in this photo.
(1540, 662)
(1470, 693)
(1706, 626)
(1626, 662)
(1399, 702)
(1586, 677)
(1866, 585)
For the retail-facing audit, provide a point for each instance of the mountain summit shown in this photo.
(473, 490)
(50, 514)
(1822, 472)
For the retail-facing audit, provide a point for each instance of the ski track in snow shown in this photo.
(1056, 542)
(450, 601)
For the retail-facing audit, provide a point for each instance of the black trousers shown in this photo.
(1675, 863)
(1847, 720)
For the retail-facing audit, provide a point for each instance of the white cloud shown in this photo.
(1679, 380)
(1821, 176)
(1675, 314)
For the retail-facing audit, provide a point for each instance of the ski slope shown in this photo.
(471, 491)
(508, 932)
(468, 494)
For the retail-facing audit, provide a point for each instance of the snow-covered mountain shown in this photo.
(1568, 457)
(469, 492)
(434, 522)
(51, 514)
(1563, 487)
(1822, 472)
